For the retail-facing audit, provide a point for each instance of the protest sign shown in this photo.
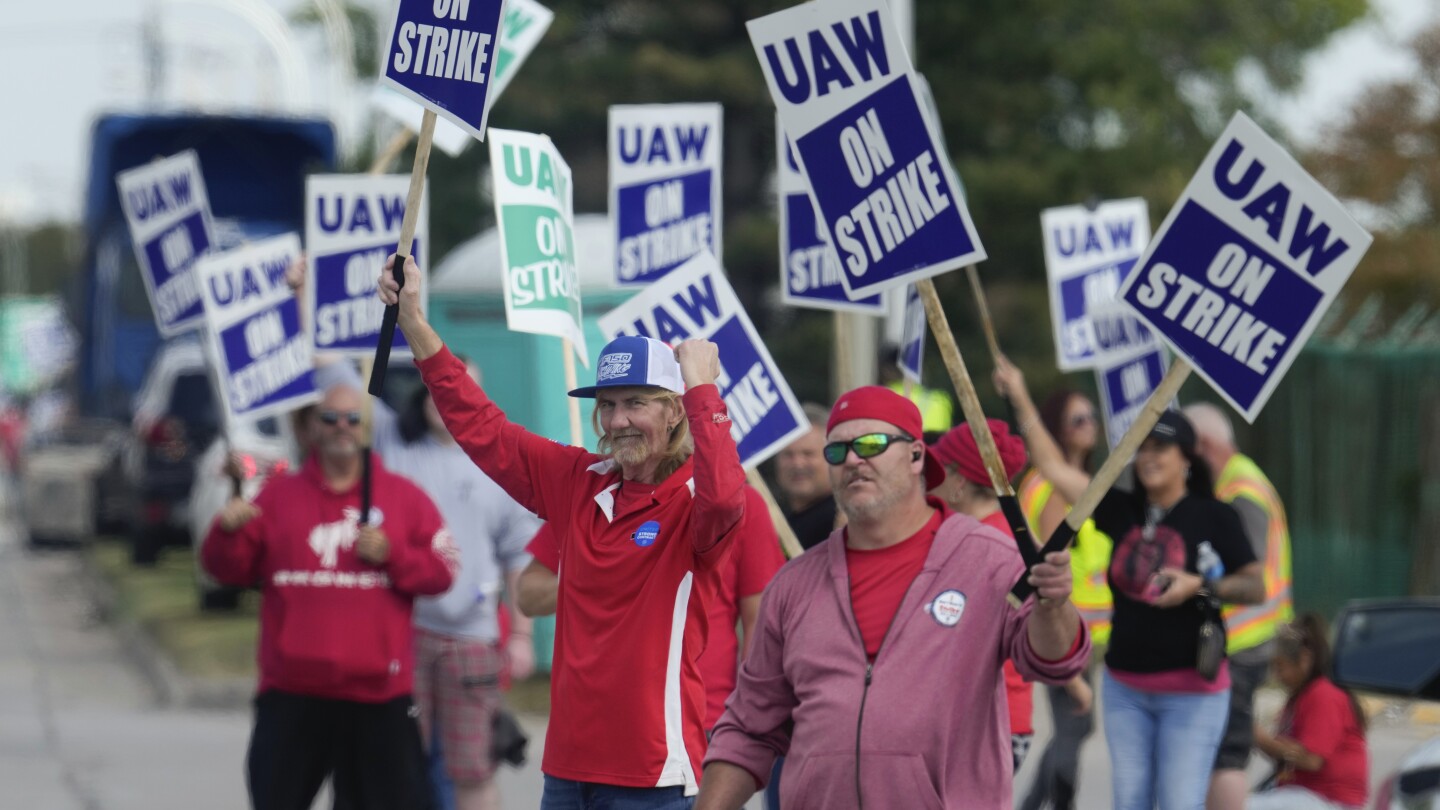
(352, 223)
(1088, 252)
(911, 360)
(696, 301)
(1126, 383)
(846, 94)
(1245, 264)
(521, 29)
(439, 54)
(535, 216)
(664, 187)
(168, 212)
(809, 271)
(266, 361)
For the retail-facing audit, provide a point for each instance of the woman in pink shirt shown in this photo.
(1319, 744)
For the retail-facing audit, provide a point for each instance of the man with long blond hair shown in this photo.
(642, 529)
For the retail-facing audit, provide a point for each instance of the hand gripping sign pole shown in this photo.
(1110, 471)
(402, 251)
(975, 417)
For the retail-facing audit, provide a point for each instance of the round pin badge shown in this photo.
(646, 535)
(947, 608)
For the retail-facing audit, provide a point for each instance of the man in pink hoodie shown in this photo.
(876, 663)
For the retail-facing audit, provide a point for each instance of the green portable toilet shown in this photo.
(525, 374)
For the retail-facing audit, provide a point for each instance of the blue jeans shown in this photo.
(565, 794)
(439, 779)
(772, 790)
(1162, 745)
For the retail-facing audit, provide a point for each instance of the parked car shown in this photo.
(1392, 647)
(264, 447)
(177, 416)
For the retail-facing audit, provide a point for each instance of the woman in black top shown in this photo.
(1179, 553)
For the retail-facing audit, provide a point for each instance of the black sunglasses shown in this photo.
(867, 446)
(332, 418)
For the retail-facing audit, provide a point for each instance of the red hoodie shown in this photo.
(332, 625)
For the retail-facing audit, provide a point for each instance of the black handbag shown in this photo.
(1210, 647)
(507, 740)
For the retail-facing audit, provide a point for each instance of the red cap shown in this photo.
(958, 447)
(877, 402)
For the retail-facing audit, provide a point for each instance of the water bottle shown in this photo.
(1208, 562)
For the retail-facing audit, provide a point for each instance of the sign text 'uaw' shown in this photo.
(535, 215)
(440, 54)
(253, 320)
(664, 186)
(169, 217)
(809, 271)
(696, 301)
(847, 97)
(1245, 264)
(352, 222)
(1088, 253)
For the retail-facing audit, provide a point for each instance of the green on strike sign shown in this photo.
(535, 211)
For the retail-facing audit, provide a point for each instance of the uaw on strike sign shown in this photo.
(352, 222)
(535, 215)
(1088, 253)
(440, 55)
(1245, 264)
(267, 364)
(695, 301)
(664, 187)
(169, 216)
(845, 92)
(809, 272)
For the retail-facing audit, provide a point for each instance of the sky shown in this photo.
(65, 63)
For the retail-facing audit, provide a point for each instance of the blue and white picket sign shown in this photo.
(352, 223)
(1088, 253)
(1126, 383)
(696, 301)
(911, 359)
(809, 271)
(266, 361)
(1245, 265)
(168, 212)
(847, 96)
(440, 54)
(664, 187)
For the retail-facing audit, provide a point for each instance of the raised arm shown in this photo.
(719, 478)
(534, 470)
(1045, 454)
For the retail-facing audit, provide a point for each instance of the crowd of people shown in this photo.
(694, 667)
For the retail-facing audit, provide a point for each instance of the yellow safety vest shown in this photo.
(936, 411)
(1089, 558)
(1250, 625)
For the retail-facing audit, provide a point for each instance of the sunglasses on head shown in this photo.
(333, 418)
(867, 446)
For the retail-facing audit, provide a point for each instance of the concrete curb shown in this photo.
(172, 687)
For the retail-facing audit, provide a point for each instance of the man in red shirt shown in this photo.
(336, 657)
(875, 668)
(642, 532)
(967, 489)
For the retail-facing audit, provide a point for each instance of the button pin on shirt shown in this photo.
(646, 535)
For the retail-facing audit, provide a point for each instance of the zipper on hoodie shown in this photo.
(869, 672)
